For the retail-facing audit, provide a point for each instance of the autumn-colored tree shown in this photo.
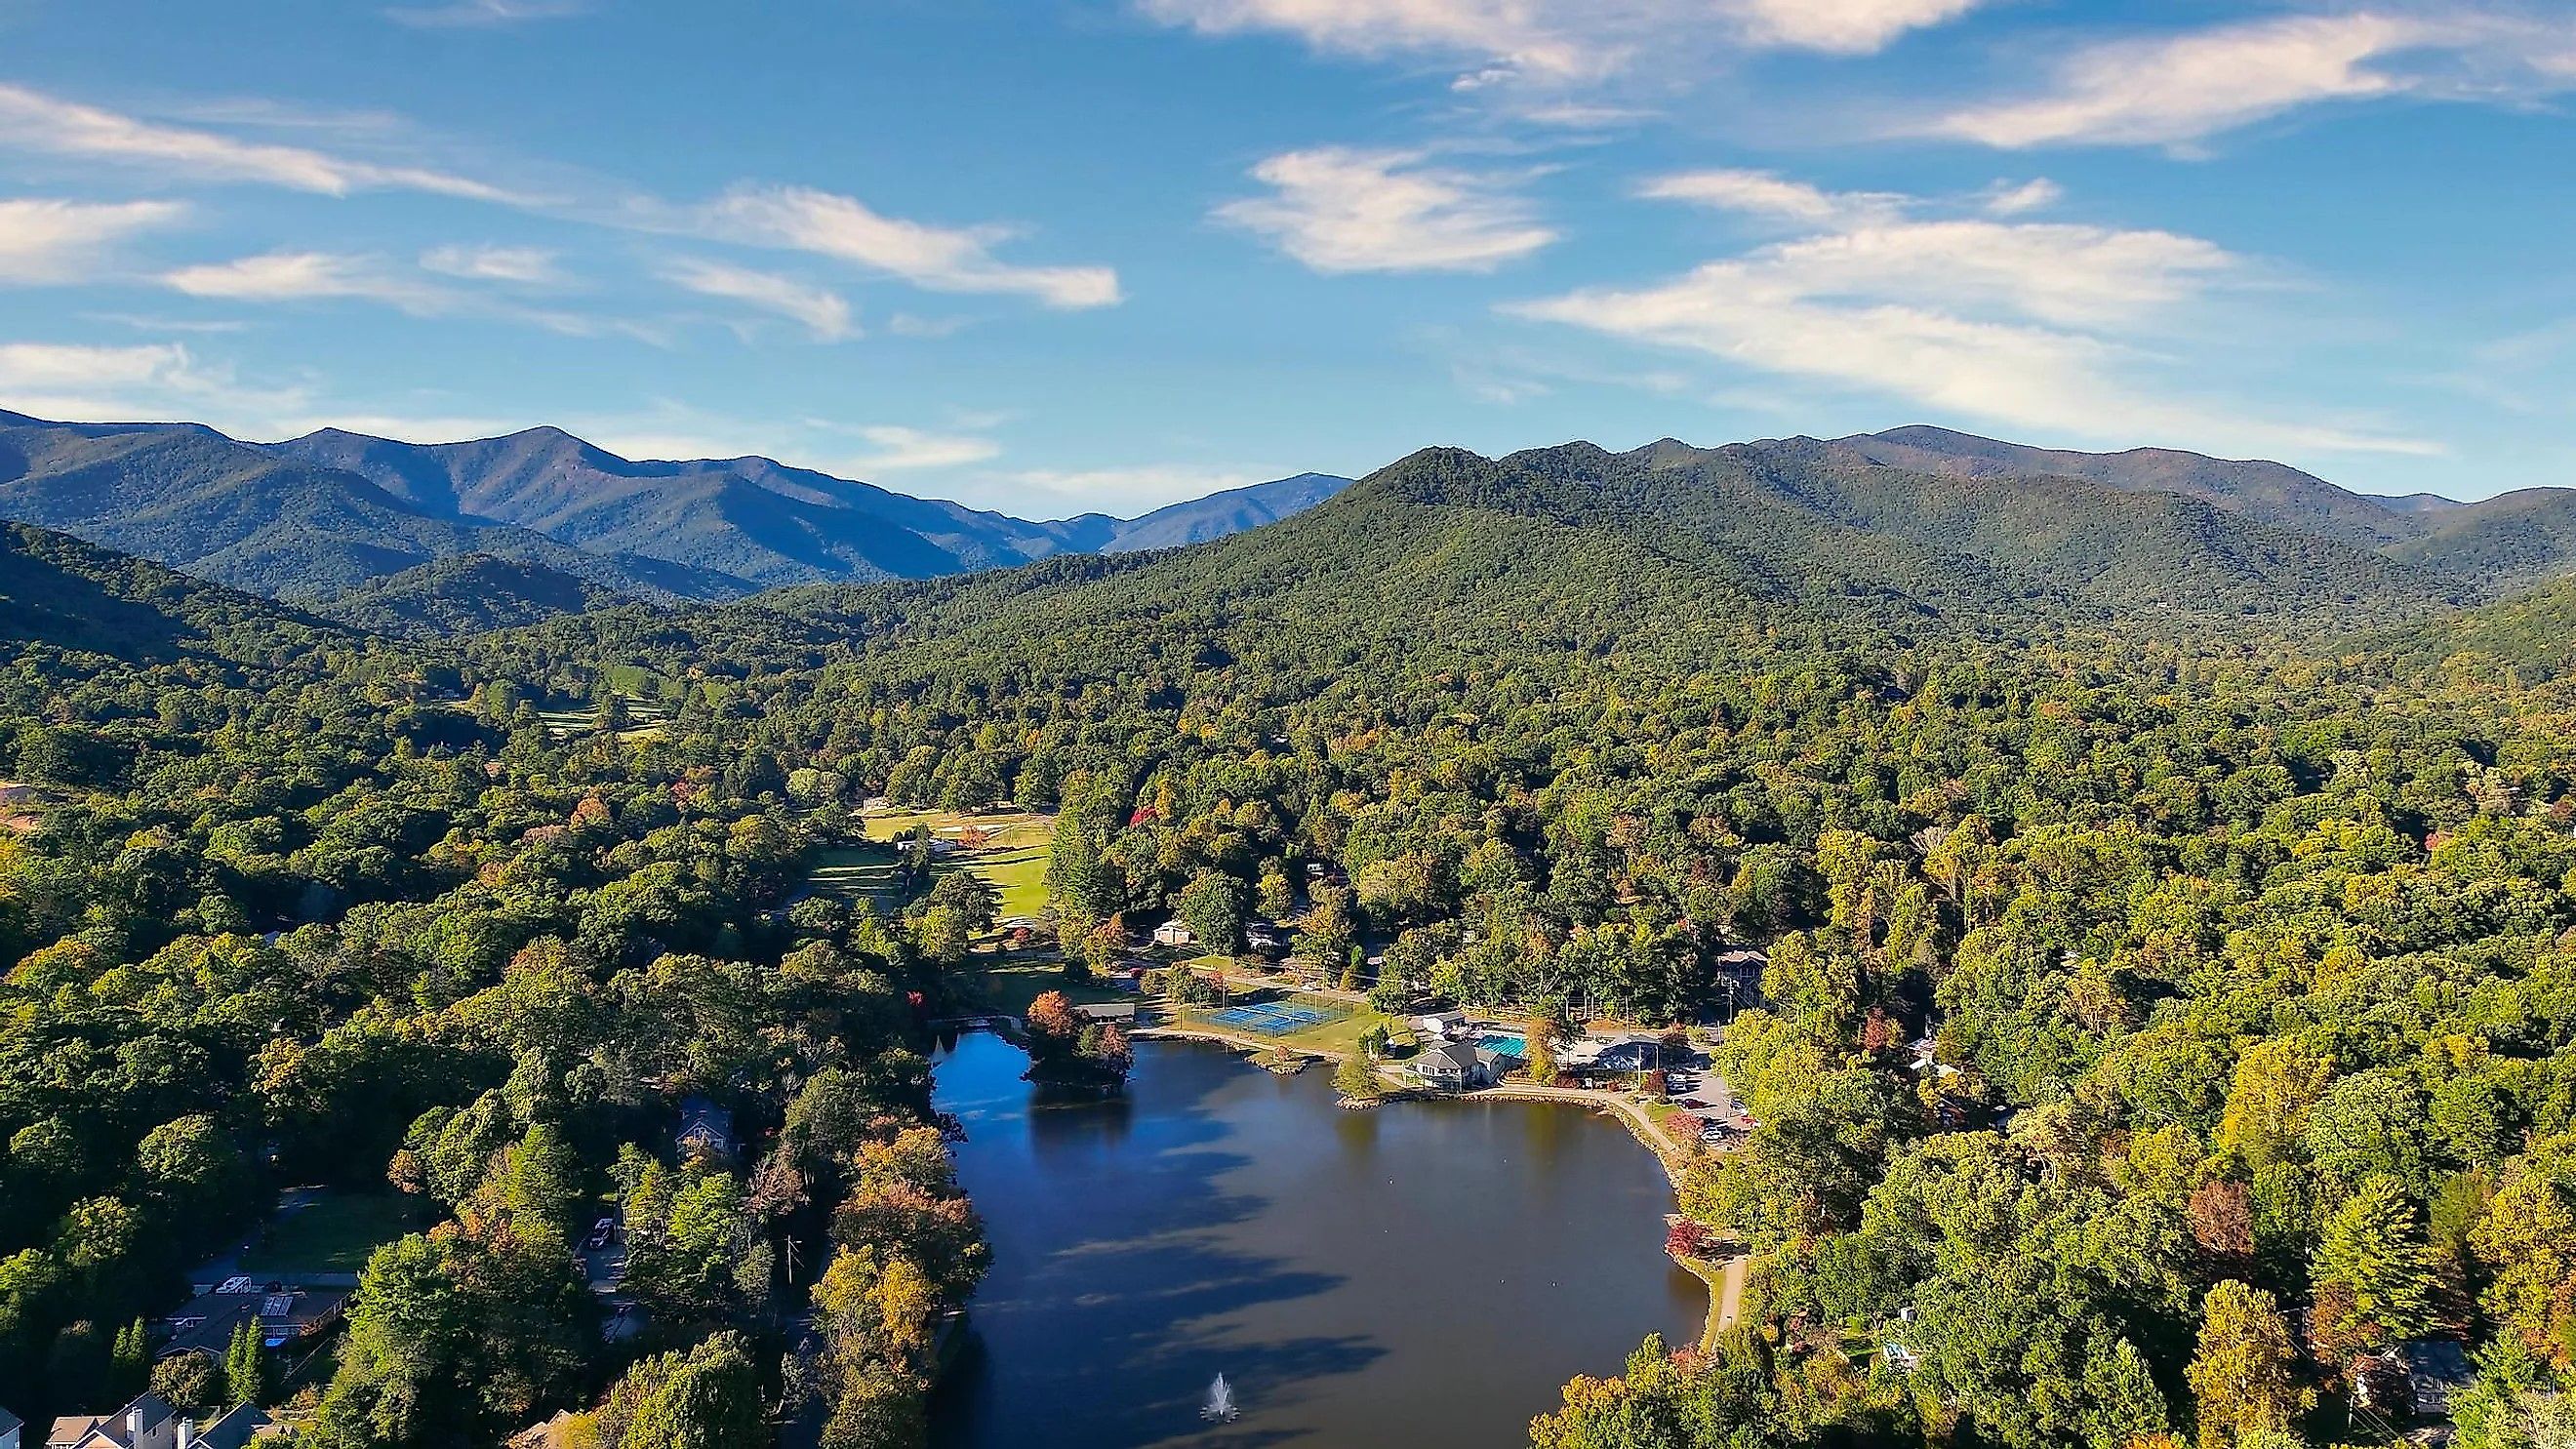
(2221, 1214)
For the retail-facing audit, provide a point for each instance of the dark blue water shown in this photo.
(1425, 1275)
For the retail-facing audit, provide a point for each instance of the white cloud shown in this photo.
(2181, 88)
(1122, 491)
(823, 313)
(519, 266)
(1850, 27)
(2033, 325)
(1761, 193)
(33, 121)
(309, 276)
(61, 241)
(940, 259)
(1560, 41)
(483, 13)
(1341, 210)
(906, 450)
(2005, 199)
(149, 382)
(2178, 89)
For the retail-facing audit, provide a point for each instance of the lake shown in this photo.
(1427, 1274)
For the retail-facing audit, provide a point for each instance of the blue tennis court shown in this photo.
(1270, 1018)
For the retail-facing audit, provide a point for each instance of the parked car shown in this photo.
(600, 1234)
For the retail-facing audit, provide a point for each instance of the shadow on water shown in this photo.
(1426, 1274)
(1109, 1233)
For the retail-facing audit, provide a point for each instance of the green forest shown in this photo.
(2229, 871)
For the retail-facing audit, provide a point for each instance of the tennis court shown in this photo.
(1270, 1018)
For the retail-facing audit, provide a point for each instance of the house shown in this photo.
(1455, 1066)
(1263, 936)
(2434, 1371)
(1175, 934)
(234, 1430)
(706, 1130)
(146, 1423)
(1117, 1013)
(1437, 1025)
(284, 1315)
(10, 1428)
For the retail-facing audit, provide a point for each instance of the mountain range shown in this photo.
(461, 537)
(315, 517)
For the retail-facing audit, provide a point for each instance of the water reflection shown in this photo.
(1425, 1274)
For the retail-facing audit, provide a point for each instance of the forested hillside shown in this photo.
(2236, 907)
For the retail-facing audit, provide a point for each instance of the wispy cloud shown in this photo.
(33, 121)
(1123, 491)
(518, 266)
(2042, 326)
(1560, 42)
(821, 312)
(310, 276)
(2179, 89)
(148, 382)
(1342, 210)
(937, 258)
(484, 13)
(911, 450)
(1763, 193)
(45, 241)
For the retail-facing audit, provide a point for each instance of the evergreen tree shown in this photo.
(2375, 1248)
(2241, 1375)
(246, 1367)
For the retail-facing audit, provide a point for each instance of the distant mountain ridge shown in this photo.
(315, 517)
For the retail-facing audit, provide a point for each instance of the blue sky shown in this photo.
(1057, 255)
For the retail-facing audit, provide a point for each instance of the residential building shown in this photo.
(706, 1130)
(147, 1423)
(1437, 1025)
(1456, 1066)
(1175, 934)
(284, 1315)
(1120, 1013)
(11, 1426)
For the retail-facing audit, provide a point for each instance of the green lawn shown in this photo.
(334, 1233)
(1009, 986)
(1013, 859)
(859, 870)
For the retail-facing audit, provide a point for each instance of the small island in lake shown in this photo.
(1076, 1046)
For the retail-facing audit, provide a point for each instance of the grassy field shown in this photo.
(646, 717)
(1013, 859)
(859, 870)
(1009, 985)
(334, 1233)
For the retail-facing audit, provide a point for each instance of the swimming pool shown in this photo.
(1503, 1043)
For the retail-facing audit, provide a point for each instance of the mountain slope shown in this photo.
(1446, 560)
(59, 591)
(1219, 514)
(2268, 492)
(750, 518)
(2501, 543)
(2117, 547)
(467, 594)
(191, 498)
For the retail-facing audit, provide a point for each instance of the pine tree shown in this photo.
(130, 1358)
(246, 1367)
(2375, 1246)
(2241, 1375)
